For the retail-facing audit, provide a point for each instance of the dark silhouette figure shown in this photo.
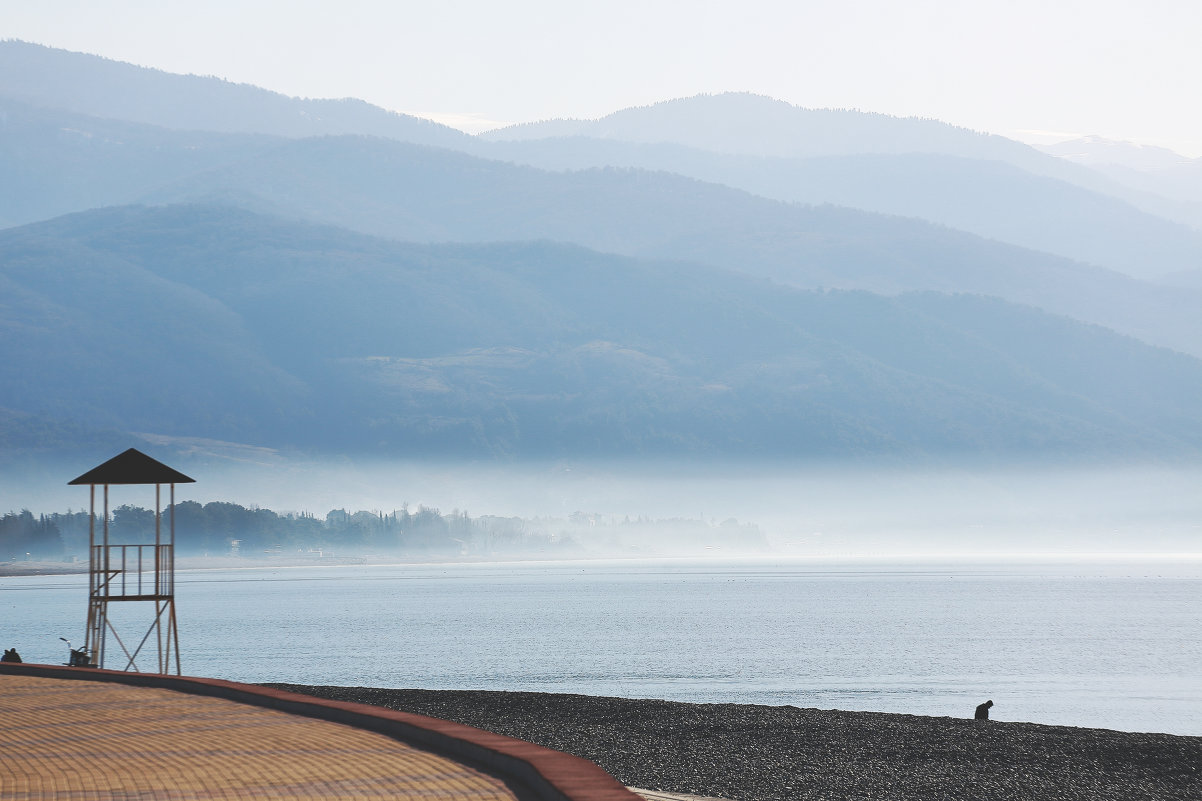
(10, 655)
(983, 711)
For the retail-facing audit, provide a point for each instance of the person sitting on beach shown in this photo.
(10, 655)
(983, 710)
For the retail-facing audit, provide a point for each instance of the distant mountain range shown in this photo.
(988, 197)
(906, 167)
(754, 125)
(99, 87)
(235, 326)
(714, 275)
(1099, 151)
(741, 124)
(1171, 183)
(415, 193)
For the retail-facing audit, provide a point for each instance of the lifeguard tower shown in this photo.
(130, 573)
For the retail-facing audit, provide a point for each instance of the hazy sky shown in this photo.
(1040, 70)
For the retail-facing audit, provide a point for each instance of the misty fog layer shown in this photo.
(799, 510)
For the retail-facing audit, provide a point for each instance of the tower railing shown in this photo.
(133, 572)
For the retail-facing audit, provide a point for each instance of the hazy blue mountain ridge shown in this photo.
(754, 125)
(971, 193)
(601, 311)
(54, 162)
(1157, 169)
(992, 199)
(101, 87)
(409, 192)
(205, 321)
(1174, 193)
(743, 124)
(739, 123)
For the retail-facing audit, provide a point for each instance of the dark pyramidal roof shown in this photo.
(133, 467)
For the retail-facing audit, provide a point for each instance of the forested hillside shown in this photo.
(206, 321)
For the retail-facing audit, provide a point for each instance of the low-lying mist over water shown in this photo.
(801, 510)
(889, 512)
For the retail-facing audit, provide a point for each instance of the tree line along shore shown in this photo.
(222, 529)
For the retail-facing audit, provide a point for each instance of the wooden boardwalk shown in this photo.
(105, 740)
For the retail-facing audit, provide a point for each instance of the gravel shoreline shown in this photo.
(770, 753)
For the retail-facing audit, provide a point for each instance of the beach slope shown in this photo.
(769, 753)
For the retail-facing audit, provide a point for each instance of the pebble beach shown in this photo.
(774, 753)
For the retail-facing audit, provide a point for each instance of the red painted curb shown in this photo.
(530, 771)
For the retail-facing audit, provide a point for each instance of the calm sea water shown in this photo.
(1111, 644)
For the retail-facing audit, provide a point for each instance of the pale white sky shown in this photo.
(1122, 69)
